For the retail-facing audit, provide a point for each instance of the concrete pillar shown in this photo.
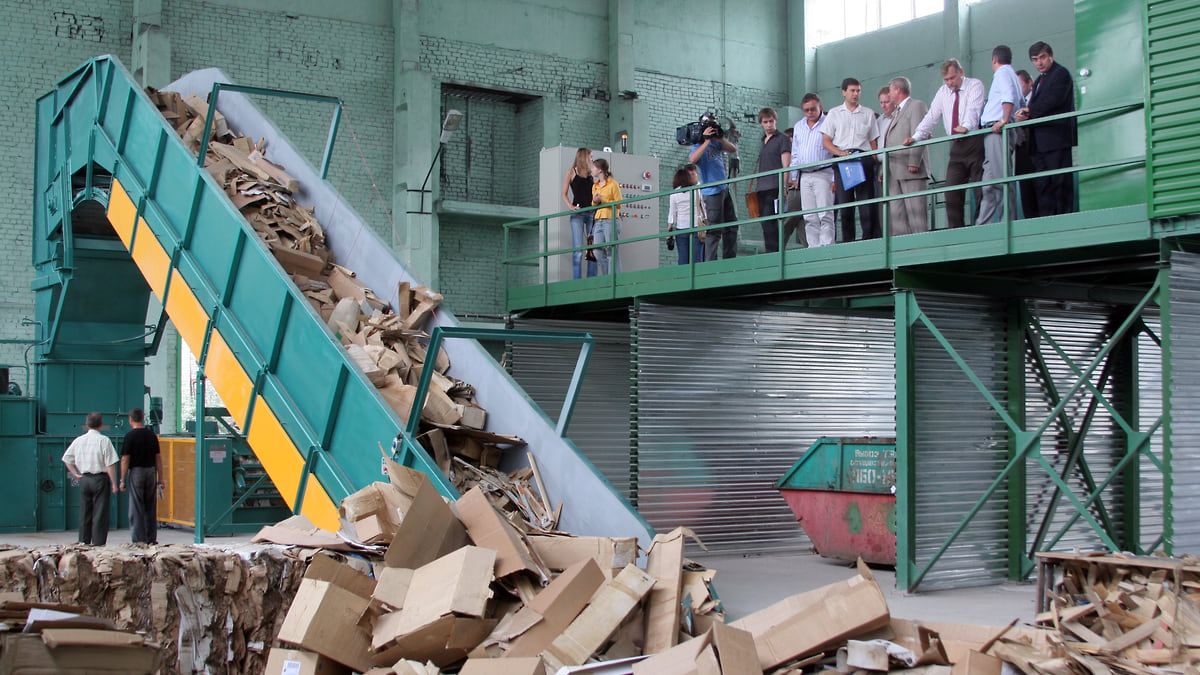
(957, 30)
(151, 45)
(626, 113)
(416, 131)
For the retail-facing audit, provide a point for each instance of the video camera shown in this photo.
(693, 133)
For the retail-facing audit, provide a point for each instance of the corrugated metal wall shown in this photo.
(728, 400)
(1172, 148)
(1184, 354)
(600, 424)
(961, 444)
(1082, 330)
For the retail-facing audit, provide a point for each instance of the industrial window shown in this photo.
(493, 159)
(826, 21)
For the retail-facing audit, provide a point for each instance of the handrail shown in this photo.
(218, 87)
(1005, 179)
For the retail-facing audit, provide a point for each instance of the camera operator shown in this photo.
(718, 205)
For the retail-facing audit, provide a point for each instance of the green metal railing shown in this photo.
(541, 258)
(218, 87)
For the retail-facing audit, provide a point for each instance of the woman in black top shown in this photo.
(578, 182)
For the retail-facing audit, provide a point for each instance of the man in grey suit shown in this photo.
(908, 168)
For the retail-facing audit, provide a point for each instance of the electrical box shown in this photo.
(636, 175)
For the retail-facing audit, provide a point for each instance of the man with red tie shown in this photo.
(958, 103)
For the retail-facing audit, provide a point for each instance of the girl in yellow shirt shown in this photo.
(604, 191)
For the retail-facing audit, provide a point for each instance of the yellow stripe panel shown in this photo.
(151, 259)
(228, 377)
(186, 312)
(271, 444)
(121, 212)
(279, 457)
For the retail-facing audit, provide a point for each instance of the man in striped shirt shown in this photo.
(812, 186)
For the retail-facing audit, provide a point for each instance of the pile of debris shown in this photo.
(461, 588)
(387, 343)
(53, 637)
(1112, 613)
(205, 609)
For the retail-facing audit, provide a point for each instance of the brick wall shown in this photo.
(45, 41)
(312, 55)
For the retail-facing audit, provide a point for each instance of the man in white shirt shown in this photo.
(1004, 97)
(850, 128)
(811, 187)
(92, 461)
(959, 103)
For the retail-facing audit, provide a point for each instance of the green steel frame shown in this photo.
(218, 87)
(1025, 333)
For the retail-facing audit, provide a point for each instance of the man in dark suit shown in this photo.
(907, 167)
(1053, 94)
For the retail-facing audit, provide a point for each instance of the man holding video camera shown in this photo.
(718, 205)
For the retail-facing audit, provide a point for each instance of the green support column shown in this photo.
(151, 45)
(416, 128)
(1018, 318)
(957, 29)
(626, 112)
(906, 471)
(1164, 305)
(1126, 401)
(798, 73)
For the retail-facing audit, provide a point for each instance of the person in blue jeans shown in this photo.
(578, 183)
(683, 215)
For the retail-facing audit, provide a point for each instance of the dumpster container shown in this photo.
(843, 492)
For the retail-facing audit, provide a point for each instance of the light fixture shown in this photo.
(450, 125)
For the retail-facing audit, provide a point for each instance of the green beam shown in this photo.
(1018, 317)
(907, 314)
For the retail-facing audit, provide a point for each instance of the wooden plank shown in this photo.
(1132, 637)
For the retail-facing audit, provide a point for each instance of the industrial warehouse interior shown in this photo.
(514, 337)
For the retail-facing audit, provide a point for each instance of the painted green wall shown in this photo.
(566, 55)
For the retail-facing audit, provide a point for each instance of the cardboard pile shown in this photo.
(206, 609)
(462, 586)
(44, 637)
(1113, 613)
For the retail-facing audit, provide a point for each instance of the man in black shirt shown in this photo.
(776, 153)
(142, 475)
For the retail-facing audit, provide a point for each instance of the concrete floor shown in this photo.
(746, 583)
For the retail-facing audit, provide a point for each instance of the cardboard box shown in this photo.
(559, 553)
(805, 623)
(721, 650)
(429, 530)
(282, 661)
(489, 529)
(606, 611)
(78, 651)
(552, 610)
(457, 583)
(976, 663)
(522, 666)
(391, 587)
(324, 615)
(445, 641)
(665, 564)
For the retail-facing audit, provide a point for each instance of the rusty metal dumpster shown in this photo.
(843, 492)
